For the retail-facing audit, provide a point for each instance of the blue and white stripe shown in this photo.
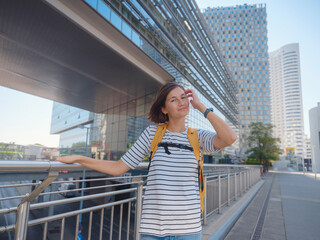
(171, 204)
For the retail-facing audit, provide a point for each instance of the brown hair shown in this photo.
(155, 113)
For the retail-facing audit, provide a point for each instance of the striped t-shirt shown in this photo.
(171, 204)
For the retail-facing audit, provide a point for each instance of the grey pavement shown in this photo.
(300, 197)
(292, 209)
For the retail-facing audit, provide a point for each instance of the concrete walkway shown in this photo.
(300, 197)
(287, 206)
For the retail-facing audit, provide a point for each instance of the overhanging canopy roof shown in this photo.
(67, 53)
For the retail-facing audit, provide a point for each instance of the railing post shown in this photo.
(235, 186)
(248, 182)
(22, 221)
(205, 202)
(240, 183)
(228, 189)
(252, 177)
(256, 175)
(219, 186)
(23, 208)
(138, 210)
(245, 180)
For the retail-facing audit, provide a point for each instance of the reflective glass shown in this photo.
(136, 38)
(104, 9)
(92, 3)
(115, 20)
(126, 30)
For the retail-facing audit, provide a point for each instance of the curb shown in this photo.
(223, 231)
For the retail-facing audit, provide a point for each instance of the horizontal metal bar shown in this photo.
(68, 214)
(20, 185)
(25, 166)
(65, 201)
(224, 175)
(73, 181)
(99, 179)
(66, 191)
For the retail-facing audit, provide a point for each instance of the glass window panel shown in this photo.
(92, 3)
(116, 20)
(136, 38)
(126, 30)
(104, 10)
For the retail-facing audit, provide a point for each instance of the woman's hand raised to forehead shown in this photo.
(196, 103)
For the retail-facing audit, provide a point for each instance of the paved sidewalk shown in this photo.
(300, 197)
(291, 202)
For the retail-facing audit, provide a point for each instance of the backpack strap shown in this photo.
(161, 130)
(194, 142)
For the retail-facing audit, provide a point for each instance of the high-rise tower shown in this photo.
(241, 34)
(286, 97)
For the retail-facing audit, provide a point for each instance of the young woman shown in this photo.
(171, 205)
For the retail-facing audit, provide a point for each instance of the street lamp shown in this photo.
(83, 173)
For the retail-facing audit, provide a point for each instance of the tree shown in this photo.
(226, 159)
(78, 145)
(264, 147)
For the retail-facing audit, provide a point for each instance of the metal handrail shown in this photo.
(67, 191)
(47, 166)
(65, 215)
(247, 175)
(71, 200)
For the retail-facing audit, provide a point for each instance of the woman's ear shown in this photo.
(164, 110)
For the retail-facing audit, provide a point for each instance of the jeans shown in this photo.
(193, 236)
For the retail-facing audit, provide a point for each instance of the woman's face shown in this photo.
(177, 104)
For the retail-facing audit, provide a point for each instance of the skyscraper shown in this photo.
(241, 34)
(286, 97)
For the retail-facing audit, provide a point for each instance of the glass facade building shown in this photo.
(65, 120)
(174, 35)
(241, 35)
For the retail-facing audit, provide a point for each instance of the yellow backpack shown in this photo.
(194, 142)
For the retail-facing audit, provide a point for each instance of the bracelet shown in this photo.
(207, 111)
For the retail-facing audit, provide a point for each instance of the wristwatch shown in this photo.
(207, 111)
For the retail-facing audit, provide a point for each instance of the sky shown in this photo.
(26, 119)
(292, 21)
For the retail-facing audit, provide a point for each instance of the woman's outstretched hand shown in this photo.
(69, 159)
(115, 168)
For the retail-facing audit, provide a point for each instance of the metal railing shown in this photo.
(114, 210)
